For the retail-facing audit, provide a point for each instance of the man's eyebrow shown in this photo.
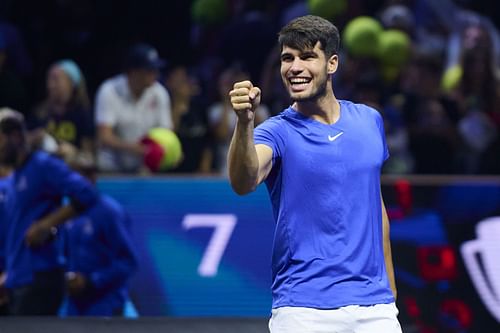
(308, 53)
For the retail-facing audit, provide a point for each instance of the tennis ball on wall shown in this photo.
(361, 36)
(394, 47)
(451, 78)
(164, 149)
(209, 11)
(327, 9)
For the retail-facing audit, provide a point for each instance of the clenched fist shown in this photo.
(245, 98)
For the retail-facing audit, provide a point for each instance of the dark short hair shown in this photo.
(11, 121)
(304, 32)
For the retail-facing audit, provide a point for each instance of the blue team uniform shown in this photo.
(4, 186)
(37, 189)
(99, 246)
(325, 192)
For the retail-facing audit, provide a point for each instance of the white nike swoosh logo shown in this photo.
(332, 138)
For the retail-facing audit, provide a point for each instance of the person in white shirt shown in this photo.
(127, 107)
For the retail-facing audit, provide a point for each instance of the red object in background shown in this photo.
(437, 263)
(403, 195)
(154, 154)
(413, 310)
(412, 307)
(458, 310)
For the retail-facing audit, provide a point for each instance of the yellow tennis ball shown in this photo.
(327, 9)
(209, 11)
(394, 47)
(171, 145)
(361, 36)
(451, 78)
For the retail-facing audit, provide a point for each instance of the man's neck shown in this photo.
(135, 91)
(325, 109)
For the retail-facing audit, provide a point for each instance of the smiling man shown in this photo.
(321, 160)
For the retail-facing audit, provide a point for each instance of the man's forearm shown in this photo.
(59, 216)
(243, 162)
(387, 250)
(390, 267)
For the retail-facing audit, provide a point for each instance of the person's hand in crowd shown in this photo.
(39, 233)
(76, 283)
(4, 296)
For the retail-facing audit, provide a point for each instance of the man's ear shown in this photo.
(333, 63)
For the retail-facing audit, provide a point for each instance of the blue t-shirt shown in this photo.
(37, 189)
(100, 247)
(325, 192)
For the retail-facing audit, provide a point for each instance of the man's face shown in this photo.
(8, 150)
(143, 78)
(305, 73)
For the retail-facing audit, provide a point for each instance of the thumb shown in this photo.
(254, 93)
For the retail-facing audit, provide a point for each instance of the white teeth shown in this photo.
(299, 80)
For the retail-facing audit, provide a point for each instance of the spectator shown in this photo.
(430, 118)
(101, 257)
(34, 259)
(477, 94)
(65, 113)
(127, 107)
(222, 118)
(190, 120)
(5, 182)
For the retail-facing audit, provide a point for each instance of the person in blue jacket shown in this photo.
(34, 260)
(101, 257)
(4, 184)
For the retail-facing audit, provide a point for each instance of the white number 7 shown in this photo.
(224, 225)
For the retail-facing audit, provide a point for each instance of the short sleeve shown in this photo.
(271, 133)
(381, 128)
(105, 108)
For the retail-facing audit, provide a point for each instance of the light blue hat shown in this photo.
(71, 69)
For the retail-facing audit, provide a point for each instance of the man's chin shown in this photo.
(302, 97)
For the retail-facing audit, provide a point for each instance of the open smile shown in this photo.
(299, 83)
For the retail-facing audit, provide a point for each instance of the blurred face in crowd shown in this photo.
(9, 148)
(59, 85)
(305, 73)
(180, 84)
(140, 79)
(227, 80)
(6, 149)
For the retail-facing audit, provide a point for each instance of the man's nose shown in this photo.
(297, 66)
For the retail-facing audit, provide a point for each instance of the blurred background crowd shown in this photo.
(92, 78)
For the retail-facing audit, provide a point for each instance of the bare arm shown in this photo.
(387, 248)
(107, 138)
(248, 164)
(41, 230)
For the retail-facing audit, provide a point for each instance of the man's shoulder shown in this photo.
(360, 108)
(39, 162)
(276, 120)
(113, 85)
(158, 89)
